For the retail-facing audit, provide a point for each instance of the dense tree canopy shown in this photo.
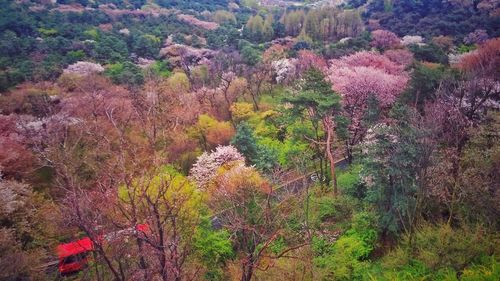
(250, 140)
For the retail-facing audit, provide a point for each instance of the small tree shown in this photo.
(243, 199)
(245, 142)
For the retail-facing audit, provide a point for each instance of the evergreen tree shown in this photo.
(245, 142)
(317, 99)
(394, 157)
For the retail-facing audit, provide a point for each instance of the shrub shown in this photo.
(345, 259)
(440, 251)
(349, 182)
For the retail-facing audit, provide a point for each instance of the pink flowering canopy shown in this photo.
(400, 56)
(384, 39)
(364, 74)
(368, 59)
(307, 59)
(357, 83)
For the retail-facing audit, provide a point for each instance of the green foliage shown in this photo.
(488, 269)
(160, 69)
(222, 37)
(390, 166)
(349, 181)
(249, 53)
(263, 157)
(47, 31)
(432, 17)
(317, 94)
(364, 227)
(345, 259)
(146, 45)
(92, 33)
(125, 73)
(245, 142)
(285, 151)
(429, 53)
(111, 48)
(479, 173)
(258, 29)
(200, 5)
(359, 43)
(424, 82)
(441, 253)
(213, 248)
(74, 56)
(462, 49)
(278, 245)
(328, 209)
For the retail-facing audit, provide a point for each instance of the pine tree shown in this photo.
(245, 142)
(317, 99)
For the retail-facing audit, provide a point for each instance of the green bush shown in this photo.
(487, 270)
(346, 258)
(334, 209)
(349, 182)
(125, 73)
(213, 248)
(440, 253)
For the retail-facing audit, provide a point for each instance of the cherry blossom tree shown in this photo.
(207, 164)
(84, 68)
(360, 77)
(400, 56)
(412, 40)
(367, 59)
(285, 70)
(383, 39)
(307, 59)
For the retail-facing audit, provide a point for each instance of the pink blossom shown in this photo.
(368, 59)
(400, 56)
(360, 76)
(357, 83)
(384, 39)
(307, 59)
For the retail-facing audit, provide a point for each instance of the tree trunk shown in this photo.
(247, 270)
(255, 103)
(348, 152)
(329, 128)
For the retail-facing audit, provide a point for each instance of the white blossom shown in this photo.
(84, 68)
(412, 40)
(207, 164)
(284, 69)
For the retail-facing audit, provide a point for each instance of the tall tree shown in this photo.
(246, 209)
(316, 99)
(393, 158)
(359, 78)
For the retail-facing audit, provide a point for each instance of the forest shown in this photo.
(249, 140)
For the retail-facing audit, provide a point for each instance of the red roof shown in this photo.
(142, 227)
(73, 248)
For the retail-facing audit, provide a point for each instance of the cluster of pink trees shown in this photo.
(362, 76)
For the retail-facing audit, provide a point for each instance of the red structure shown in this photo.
(73, 256)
